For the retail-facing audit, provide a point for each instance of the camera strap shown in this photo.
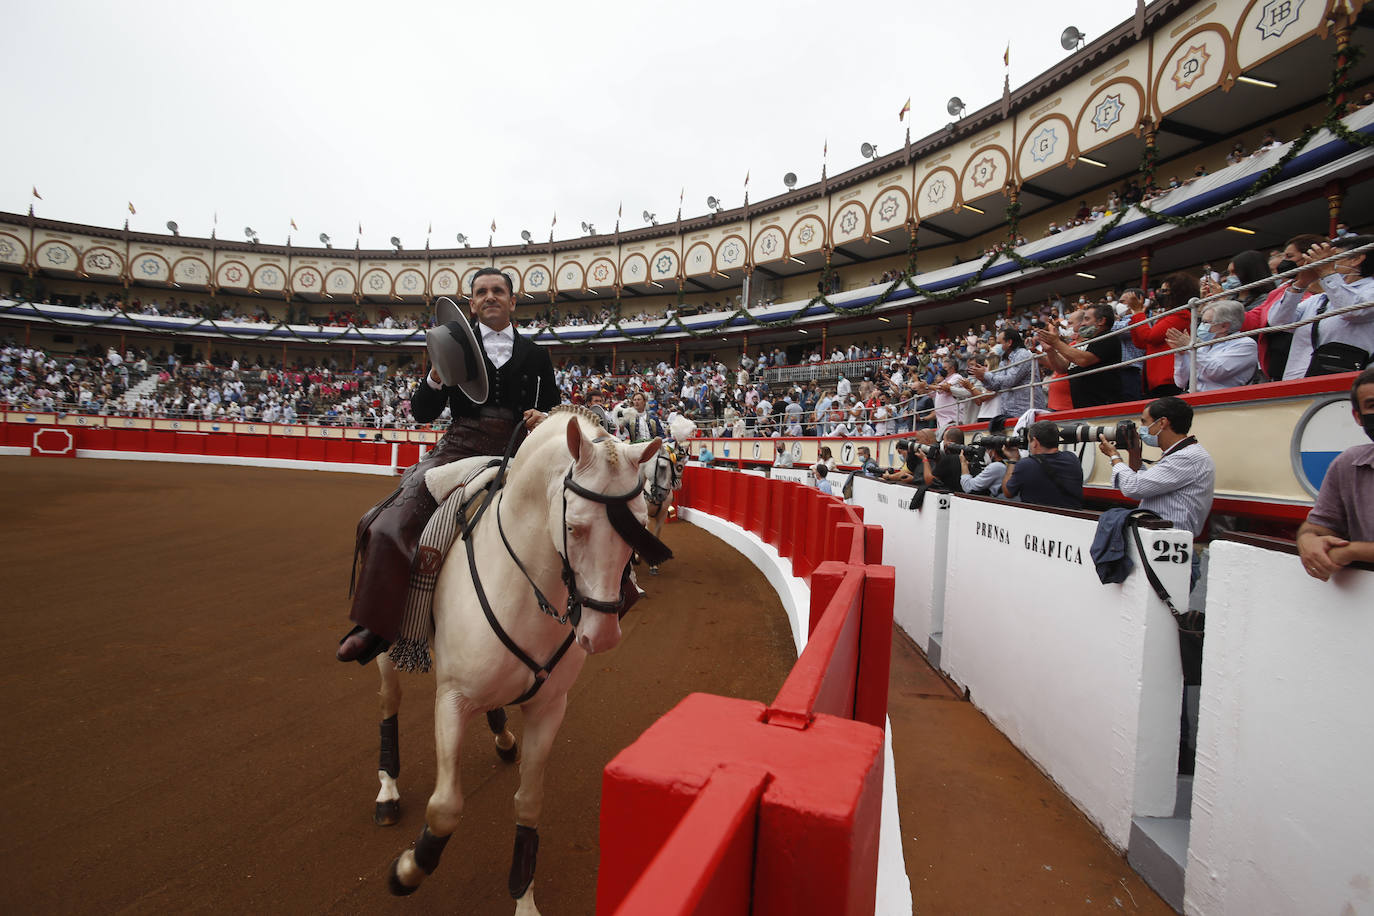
(1188, 621)
(1058, 484)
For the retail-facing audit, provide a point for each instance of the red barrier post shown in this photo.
(739, 498)
(875, 645)
(724, 486)
(823, 679)
(787, 518)
(817, 847)
(873, 543)
(749, 503)
(758, 508)
(801, 507)
(777, 498)
(706, 866)
(837, 542)
(706, 494)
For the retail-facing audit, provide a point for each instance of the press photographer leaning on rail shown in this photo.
(1179, 486)
(1048, 477)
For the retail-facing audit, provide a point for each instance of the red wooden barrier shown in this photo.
(817, 848)
(816, 853)
(350, 450)
(706, 866)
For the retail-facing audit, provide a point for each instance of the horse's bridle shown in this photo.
(657, 494)
(622, 519)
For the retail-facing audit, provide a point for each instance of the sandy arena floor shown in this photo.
(179, 737)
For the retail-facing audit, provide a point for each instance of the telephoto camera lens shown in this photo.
(1120, 435)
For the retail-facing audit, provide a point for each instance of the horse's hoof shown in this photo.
(387, 813)
(653, 570)
(393, 882)
(508, 754)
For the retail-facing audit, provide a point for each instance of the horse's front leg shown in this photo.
(656, 520)
(388, 808)
(451, 716)
(541, 727)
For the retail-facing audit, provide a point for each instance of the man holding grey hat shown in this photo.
(491, 381)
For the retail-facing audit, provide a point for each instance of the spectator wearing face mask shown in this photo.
(1222, 365)
(1133, 375)
(1088, 389)
(1335, 284)
(1178, 289)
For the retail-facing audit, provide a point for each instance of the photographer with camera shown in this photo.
(906, 471)
(867, 466)
(1179, 486)
(940, 463)
(1048, 477)
(988, 481)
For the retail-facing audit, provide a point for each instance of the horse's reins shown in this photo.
(622, 520)
(657, 494)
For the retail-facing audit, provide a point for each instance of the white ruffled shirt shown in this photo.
(498, 344)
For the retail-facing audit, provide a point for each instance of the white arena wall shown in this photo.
(1085, 679)
(1283, 802)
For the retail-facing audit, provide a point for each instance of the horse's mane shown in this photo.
(576, 410)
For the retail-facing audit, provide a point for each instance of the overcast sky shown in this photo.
(404, 113)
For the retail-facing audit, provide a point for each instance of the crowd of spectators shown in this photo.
(1055, 356)
(221, 310)
(137, 383)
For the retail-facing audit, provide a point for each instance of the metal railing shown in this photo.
(907, 417)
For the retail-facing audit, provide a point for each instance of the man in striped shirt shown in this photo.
(1179, 486)
(1017, 377)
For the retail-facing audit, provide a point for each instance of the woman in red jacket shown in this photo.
(1176, 289)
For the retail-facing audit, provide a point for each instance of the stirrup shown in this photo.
(372, 647)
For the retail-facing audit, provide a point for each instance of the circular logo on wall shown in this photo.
(1324, 431)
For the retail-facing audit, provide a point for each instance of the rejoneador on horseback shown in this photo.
(502, 381)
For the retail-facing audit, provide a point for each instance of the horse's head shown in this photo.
(603, 505)
(666, 474)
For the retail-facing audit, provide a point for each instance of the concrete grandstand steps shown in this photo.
(141, 390)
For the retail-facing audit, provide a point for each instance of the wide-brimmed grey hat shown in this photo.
(455, 352)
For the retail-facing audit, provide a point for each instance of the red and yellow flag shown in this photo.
(901, 115)
(36, 194)
(131, 207)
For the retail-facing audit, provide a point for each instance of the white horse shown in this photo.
(660, 484)
(555, 539)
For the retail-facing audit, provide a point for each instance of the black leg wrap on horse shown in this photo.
(390, 760)
(496, 721)
(393, 882)
(428, 849)
(522, 861)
